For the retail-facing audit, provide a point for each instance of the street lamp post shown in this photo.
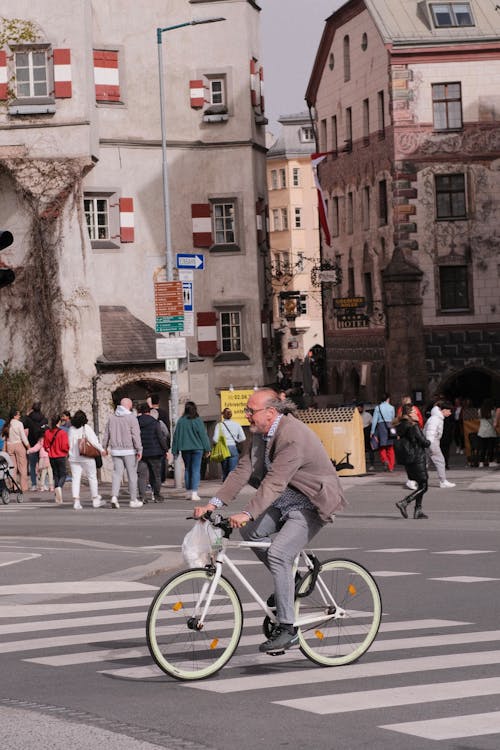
(169, 257)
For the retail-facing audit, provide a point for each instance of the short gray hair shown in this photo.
(282, 405)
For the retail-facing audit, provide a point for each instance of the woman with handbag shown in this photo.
(235, 437)
(84, 448)
(414, 442)
(55, 442)
(383, 416)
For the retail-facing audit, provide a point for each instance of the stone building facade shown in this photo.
(405, 95)
(294, 239)
(81, 186)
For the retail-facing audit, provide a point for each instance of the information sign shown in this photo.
(169, 298)
(190, 260)
(236, 401)
(172, 347)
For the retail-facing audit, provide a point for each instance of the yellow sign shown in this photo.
(236, 401)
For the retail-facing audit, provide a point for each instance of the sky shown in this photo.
(290, 32)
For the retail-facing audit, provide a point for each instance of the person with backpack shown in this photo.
(154, 446)
(410, 448)
(35, 423)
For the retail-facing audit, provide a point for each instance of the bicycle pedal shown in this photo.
(276, 653)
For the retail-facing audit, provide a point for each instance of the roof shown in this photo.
(406, 24)
(125, 338)
(288, 144)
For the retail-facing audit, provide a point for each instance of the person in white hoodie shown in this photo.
(433, 431)
(123, 436)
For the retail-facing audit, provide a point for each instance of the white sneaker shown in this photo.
(136, 503)
(411, 484)
(77, 505)
(195, 497)
(481, 465)
(446, 484)
(493, 463)
(98, 502)
(114, 503)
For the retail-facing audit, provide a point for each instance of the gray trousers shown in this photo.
(292, 535)
(129, 463)
(437, 458)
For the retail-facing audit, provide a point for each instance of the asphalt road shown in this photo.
(74, 593)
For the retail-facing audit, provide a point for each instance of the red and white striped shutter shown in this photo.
(63, 87)
(261, 82)
(4, 75)
(254, 83)
(202, 224)
(106, 76)
(206, 333)
(197, 93)
(127, 231)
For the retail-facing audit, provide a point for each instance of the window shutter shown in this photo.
(4, 78)
(254, 83)
(106, 76)
(63, 87)
(261, 82)
(202, 224)
(206, 333)
(197, 93)
(127, 232)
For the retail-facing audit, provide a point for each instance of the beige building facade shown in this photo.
(406, 101)
(294, 240)
(81, 186)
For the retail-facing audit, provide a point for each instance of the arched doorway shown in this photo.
(139, 390)
(473, 382)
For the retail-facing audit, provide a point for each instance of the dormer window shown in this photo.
(306, 134)
(448, 15)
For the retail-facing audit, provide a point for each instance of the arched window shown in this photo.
(347, 59)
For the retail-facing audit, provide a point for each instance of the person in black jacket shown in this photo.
(414, 444)
(34, 422)
(154, 446)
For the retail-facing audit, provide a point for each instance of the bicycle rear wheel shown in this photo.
(176, 645)
(336, 641)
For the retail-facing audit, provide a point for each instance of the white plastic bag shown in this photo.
(198, 544)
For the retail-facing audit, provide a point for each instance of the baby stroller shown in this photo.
(8, 484)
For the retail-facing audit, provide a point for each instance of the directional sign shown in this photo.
(190, 260)
(169, 323)
(187, 288)
(169, 298)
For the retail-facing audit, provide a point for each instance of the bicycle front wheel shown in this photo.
(177, 646)
(347, 588)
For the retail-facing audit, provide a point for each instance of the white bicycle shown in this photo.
(195, 620)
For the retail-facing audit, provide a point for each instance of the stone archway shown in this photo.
(476, 383)
(138, 390)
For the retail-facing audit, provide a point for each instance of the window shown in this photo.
(230, 331)
(323, 140)
(364, 41)
(285, 263)
(368, 292)
(335, 217)
(452, 14)
(224, 223)
(32, 76)
(350, 213)
(216, 88)
(366, 122)
(454, 288)
(365, 205)
(303, 304)
(348, 129)
(381, 114)
(347, 59)
(447, 106)
(298, 218)
(284, 219)
(296, 177)
(450, 196)
(97, 217)
(276, 220)
(300, 263)
(350, 281)
(334, 134)
(274, 179)
(306, 134)
(282, 178)
(382, 202)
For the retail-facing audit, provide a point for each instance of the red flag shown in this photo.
(323, 219)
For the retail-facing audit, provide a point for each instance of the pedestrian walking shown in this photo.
(417, 416)
(83, 465)
(191, 440)
(412, 444)
(366, 418)
(234, 436)
(35, 422)
(123, 438)
(433, 431)
(17, 445)
(383, 417)
(55, 442)
(487, 434)
(154, 446)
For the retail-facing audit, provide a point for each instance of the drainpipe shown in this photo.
(95, 404)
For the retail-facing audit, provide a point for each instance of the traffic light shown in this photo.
(7, 275)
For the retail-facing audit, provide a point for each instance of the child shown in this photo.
(44, 469)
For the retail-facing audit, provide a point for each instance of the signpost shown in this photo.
(169, 306)
(191, 260)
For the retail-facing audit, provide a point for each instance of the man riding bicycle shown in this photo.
(298, 491)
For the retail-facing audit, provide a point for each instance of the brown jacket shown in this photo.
(298, 460)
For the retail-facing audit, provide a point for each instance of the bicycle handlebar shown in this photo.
(217, 520)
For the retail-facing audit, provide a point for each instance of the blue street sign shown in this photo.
(190, 260)
(187, 290)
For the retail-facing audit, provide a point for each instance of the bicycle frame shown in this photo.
(332, 609)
